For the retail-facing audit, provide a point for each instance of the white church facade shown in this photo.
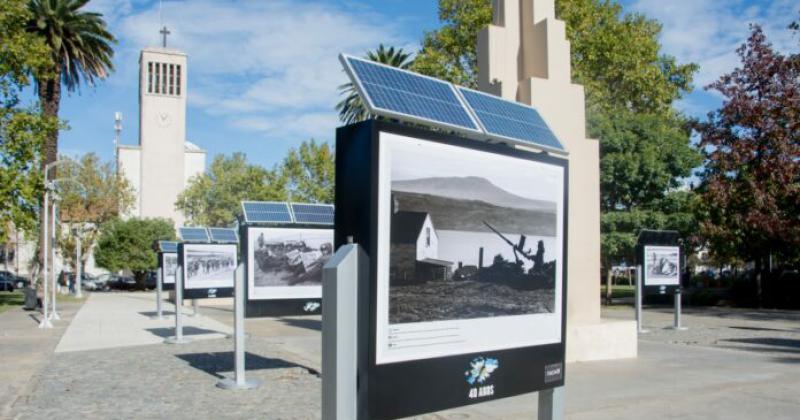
(160, 165)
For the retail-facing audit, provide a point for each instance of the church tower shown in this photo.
(162, 163)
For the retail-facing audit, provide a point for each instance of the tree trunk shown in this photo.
(49, 99)
(609, 282)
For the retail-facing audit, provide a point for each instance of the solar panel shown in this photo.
(393, 92)
(167, 246)
(193, 234)
(319, 214)
(266, 212)
(511, 120)
(223, 235)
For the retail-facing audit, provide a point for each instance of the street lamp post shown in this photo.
(45, 322)
(54, 314)
(78, 273)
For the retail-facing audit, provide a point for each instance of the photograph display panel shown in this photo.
(209, 266)
(662, 266)
(169, 268)
(470, 251)
(286, 263)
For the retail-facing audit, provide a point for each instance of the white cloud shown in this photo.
(708, 32)
(264, 66)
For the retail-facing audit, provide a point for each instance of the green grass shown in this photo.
(619, 291)
(10, 299)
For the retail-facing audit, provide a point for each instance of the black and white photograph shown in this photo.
(209, 265)
(170, 268)
(661, 265)
(473, 236)
(287, 262)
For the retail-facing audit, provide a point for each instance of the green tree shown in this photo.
(450, 52)
(214, 198)
(128, 245)
(351, 109)
(94, 194)
(309, 172)
(22, 127)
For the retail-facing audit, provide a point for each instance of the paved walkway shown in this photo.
(675, 376)
(25, 350)
(110, 320)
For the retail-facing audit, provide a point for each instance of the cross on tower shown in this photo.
(164, 32)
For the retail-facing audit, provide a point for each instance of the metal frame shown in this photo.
(357, 148)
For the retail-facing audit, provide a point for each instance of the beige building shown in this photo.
(160, 166)
(525, 56)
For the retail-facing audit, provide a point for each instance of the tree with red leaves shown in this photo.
(751, 178)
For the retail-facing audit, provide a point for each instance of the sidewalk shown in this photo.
(25, 350)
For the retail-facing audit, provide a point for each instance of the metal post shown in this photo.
(159, 314)
(551, 404)
(45, 322)
(340, 278)
(639, 288)
(677, 325)
(178, 338)
(238, 381)
(78, 289)
(195, 309)
(54, 313)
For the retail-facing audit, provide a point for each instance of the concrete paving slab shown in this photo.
(111, 320)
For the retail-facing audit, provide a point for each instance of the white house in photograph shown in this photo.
(415, 250)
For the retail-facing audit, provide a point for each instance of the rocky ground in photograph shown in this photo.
(438, 301)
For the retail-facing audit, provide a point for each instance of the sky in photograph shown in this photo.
(263, 74)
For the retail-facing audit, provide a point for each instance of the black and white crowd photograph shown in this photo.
(209, 266)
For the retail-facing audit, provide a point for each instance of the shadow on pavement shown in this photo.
(785, 344)
(151, 314)
(759, 329)
(165, 332)
(216, 362)
(311, 324)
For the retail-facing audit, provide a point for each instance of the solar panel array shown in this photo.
(223, 235)
(402, 94)
(270, 212)
(407, 94)
(266, 212)
(167, 246)
(193, 234)
(318, 214)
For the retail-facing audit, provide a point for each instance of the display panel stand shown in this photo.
(159, 313)
(178, 338)
(639, 289)
(238, 381)
(677, 325)
(195, 309)
(551, 404)
(340, 278)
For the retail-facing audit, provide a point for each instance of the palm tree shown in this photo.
(351, 108)
(80, 48)
(80, 45)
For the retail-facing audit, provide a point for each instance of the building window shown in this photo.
(171, 78)
(164, 78)
(158, 78)
(427, 236)
(178, 80)
(150, 77)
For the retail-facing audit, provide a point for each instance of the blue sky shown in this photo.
(263, 74)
